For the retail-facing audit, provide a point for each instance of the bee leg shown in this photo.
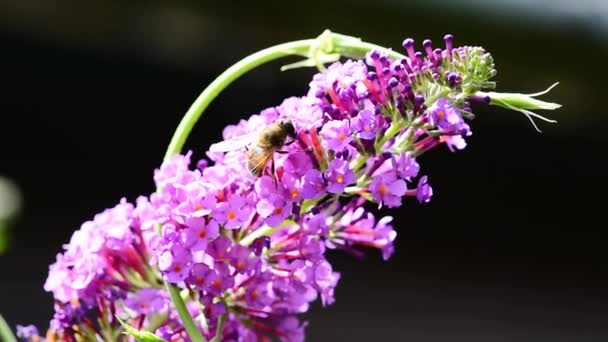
(273, 174)
(282, 152)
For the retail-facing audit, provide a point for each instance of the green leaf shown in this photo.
(6, 334)
(139, 335)
(3, 237)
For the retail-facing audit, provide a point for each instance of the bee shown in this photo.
(261, 145)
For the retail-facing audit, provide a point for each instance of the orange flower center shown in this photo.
(216, 283)
(339, 179)
(231, 215)
(440, 115)
(342, 136)
(177, 268)
(367, 128)
(197, 206)
(278, 210)
(202, 233)
(199, 280)
(240, 265)
(254, 294)
(294, 193)
(382, 189)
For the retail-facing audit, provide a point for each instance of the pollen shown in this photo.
(383, 190)
(294, 193)
(231, 215)
(339, 179)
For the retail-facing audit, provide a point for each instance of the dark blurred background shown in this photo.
(512, 247)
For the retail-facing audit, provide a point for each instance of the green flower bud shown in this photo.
(523, 103)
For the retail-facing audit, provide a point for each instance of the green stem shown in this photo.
(222, 81)
(220, 327)
(184, 315)
(6, 334)
(264, 231)
(330, 43)
(393, 129)
(358, 50)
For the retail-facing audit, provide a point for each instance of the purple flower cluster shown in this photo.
(249, 251)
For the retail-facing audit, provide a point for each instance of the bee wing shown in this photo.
(232, 144)
(257, 160)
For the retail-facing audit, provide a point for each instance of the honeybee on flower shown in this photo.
(260, 145)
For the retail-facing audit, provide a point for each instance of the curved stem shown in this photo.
(184, 315)
(223, 80)
(327, 44)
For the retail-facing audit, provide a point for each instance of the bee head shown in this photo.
(288, 126)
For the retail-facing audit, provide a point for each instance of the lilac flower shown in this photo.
(272, 206)
(28, 332)
(233, 213)
(311, 247)
(337, 134)
(424, 192)
(197, 203)
(219, 248)
(147, 301)
(339, 175)
(314, 185)
(385, 237)
(92, 252)
(344, 75)
(305, 111)
(447, 118)
(242, 259)
(212, 310)
(198, 233)
(172, 169)
(175, 264)
(325, 280)
(365, 124)
(223, 281)
(293, 185)
(387, 189)
(292, 329)
(297, 164)
(300, 275)
(406, 166)
(258, 294)
(274, 209)
(201, 276)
